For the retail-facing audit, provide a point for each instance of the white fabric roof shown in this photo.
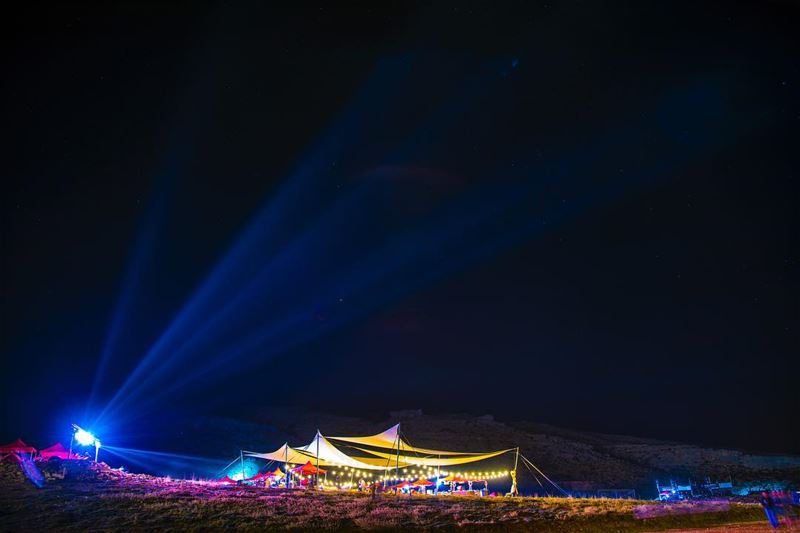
(331, 454)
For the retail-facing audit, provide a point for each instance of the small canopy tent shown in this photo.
(271, 474)
(259, 476)
(308, 469)
(57, 450)
(18, 446)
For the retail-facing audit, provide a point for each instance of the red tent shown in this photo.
(403, 485)
(277, 473)
(423, 483)
(226, 479)
(56, 450)
(307, 469)
(18, 446)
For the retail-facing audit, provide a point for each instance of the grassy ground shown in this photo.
(137, 504)
(761, 527)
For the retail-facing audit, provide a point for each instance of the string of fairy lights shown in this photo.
(346, 476)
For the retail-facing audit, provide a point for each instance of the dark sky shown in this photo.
(571, 212)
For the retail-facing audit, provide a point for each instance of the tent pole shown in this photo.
(71, 440)
(436, 487)
(397, 458)
(241, 458)
(286, 466)
(514, 490)
(316, 474)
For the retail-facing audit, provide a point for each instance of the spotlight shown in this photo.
(84, 438)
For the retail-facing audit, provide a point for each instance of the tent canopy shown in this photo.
(391, 439)
(284, 454)
(18, 446)
(434, 461)
(384, 451)
(56, 450)
(331, 455)
(308, 469)
(272, 474)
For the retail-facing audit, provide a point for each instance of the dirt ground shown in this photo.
(740, 528)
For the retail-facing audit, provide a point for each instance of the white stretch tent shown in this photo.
(383, 451)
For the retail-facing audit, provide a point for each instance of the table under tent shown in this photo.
(384, 462)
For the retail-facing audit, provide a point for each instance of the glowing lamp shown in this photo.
(84, 438)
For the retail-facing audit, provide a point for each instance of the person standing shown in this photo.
(769, 508)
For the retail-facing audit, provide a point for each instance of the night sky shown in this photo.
(576, 213)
